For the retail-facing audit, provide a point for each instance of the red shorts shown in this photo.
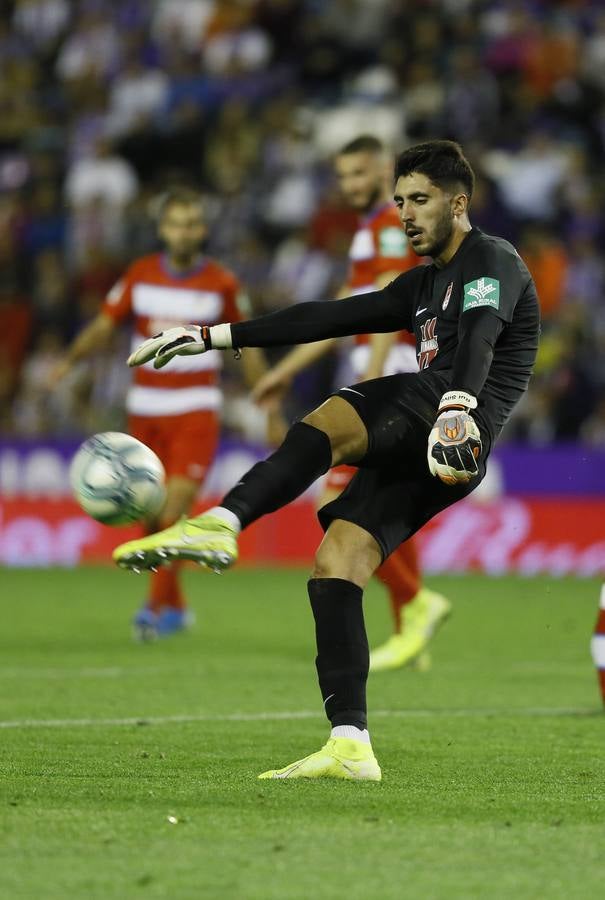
(339, 477)
(186, 443)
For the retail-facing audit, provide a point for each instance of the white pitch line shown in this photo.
(33, 672)
(48, 673)
(530, 712)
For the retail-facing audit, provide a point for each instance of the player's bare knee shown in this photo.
(357, 571)
(338, 557)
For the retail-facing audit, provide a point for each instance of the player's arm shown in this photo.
(238, 308)
(381, 311)
(269, 391)
(94, 336)
(271, 388)
(455, 442)
(304, 323)
(276, 382)
(494, 279)
(255, 367)
(258, 373)
(479, 330)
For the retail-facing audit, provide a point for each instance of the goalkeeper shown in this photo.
(420, 440)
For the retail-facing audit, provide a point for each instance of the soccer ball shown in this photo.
(117, 479)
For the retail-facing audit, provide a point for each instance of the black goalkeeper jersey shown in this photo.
(485, 279)
(475, 320)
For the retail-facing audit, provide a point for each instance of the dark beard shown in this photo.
(443, 234)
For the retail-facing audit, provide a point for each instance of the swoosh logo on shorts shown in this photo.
(424, 309)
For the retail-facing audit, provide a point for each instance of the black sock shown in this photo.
(304, 455)
(342, 649)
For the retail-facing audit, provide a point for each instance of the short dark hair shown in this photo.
(443, 162)
(179, 195)
(365, 143)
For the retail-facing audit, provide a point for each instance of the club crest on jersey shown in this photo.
(447, 296)
(429, 343)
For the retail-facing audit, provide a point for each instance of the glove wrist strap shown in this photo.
(460, 399)
(217, 337)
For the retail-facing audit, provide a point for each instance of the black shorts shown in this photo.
(393, 493)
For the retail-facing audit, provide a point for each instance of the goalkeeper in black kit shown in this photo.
(420, 441)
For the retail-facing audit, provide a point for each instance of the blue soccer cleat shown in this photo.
(145, 625)
(149, 625)
(171, 620)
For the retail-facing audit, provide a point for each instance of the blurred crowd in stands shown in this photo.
(104, 104)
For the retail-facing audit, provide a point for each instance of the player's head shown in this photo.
(362, 170)
(433, 188)
(181, 223)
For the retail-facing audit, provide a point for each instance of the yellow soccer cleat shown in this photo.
(421, 620)
(207, 540)
(342, 758)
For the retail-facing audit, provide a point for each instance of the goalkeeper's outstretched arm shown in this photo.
(93, 337)
(307, 322)
(378, 311)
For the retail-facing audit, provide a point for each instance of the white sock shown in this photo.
(351, 732)
(227, 516)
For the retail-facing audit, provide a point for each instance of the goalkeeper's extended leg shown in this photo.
(329, 434)
(345, 561)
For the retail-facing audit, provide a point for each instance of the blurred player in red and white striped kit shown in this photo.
(174, 411)
(378, 253)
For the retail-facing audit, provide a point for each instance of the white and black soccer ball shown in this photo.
(117, 479)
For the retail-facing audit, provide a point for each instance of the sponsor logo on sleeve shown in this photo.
(392, 242)
(484, 291)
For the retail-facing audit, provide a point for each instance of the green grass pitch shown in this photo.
(129, 771)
